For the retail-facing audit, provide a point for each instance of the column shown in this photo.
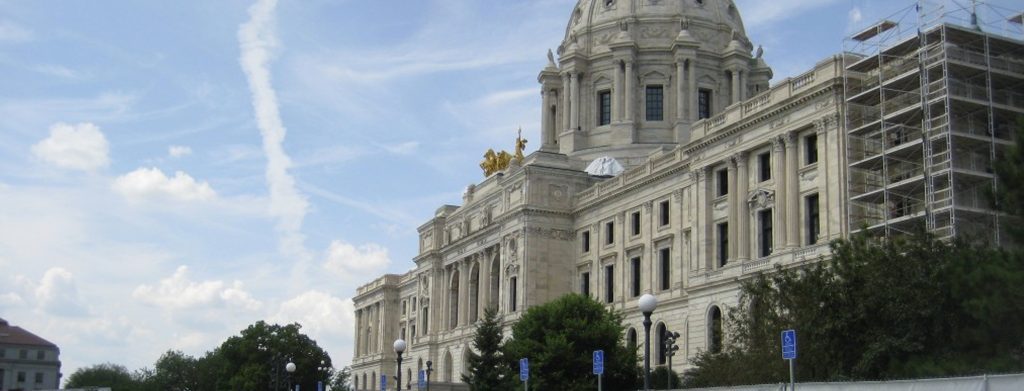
(779, 173)
(735, 86)
(359, 332)
(547, 123)
(484, 285)
(629, 91)
(680, 90)
(617, 94)
(565, 101)
(692, 93)
(463, 292)
(706, 215)
(574, 101)
(733, 210)
(743, 213)
(792, 192)
(699, 225)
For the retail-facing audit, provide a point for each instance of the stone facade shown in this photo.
(27, 361)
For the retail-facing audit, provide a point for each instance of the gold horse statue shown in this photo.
(498, 161)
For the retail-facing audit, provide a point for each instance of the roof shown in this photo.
(14, 335)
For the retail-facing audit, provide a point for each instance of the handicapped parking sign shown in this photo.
(599, 362)
(789, 344)
(524, 369)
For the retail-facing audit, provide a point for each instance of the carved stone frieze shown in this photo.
(550, 233)
(761, 199)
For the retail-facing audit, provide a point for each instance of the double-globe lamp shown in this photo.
(647, 305)
(399, 349)
(290, 368)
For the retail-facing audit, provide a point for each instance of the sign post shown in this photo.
(383, 382)
(422, 380)
(789, 353)
(599, 366)
(524, 373)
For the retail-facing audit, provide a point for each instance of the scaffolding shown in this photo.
(931, 97)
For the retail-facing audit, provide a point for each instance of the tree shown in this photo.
(174, 371)
(488, 370)
(342, 380)
(559, 338)
(110, 375)
(249, 361)
(1009, 196)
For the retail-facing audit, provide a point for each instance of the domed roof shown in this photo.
(590, 16)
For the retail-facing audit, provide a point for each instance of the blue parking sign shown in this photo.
(524, 369)
(423, 380)
(383, 382)
(599, 362)
(789, 345)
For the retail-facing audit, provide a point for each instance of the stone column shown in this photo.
(547, 123)
(359, 332)
(629, 91)
(566, 104)
(779, 173)
(692, 89)
(617, 94)
(680, 91)
(735, 86)
(463, 292)
(574, 98)
(700, 225)
(743, 213)
(733, 210)
(792, 192)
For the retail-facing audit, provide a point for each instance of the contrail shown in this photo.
(257, 39)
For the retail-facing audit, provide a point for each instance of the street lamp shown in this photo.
(430, 368)
(399, 348)
(290, 368)
(647, 305)
(326, 371)
(670, 350)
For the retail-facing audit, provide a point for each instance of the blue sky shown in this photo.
(171, 172)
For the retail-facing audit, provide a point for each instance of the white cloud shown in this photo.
(11, 32)
(58, 71)
(11, 299)
(348, 260)
(151, 182)
(178, 292)
(179, 151)
(327, 319)
(855, 15)
(57, 293)
(257, 39)
(77, 147)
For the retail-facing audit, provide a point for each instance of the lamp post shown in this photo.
(290, 368)
(647, 305)
(399, 348)
(670, 350)
(430, 365)
(326, 371)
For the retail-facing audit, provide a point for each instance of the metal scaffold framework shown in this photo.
(932, 95)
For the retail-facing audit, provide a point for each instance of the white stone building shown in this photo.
(724, 178)
(27, 361)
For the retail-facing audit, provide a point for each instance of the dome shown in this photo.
(594, 23)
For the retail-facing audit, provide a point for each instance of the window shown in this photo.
(404, 307)
(512, 283)
(40, 355)
(23, 354)
(813, 222)
(764, 164)
(21, 377)
(811, 146)
(659, 334)
(401, 334)
(609, 283)
(764, 222)
(664, 255)
(604, 112)
(3, 353)
(586, 241)
(635, 220)
(609, 232)
(723, 244)
(663, 210)
(703, 104)
(631, 340)
(715, 328)
(635, 274)
(722, 177)
(585, 284)
(426, 323)
(412, 330)
(655, 103)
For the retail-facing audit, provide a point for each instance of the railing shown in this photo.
(859, 116)
(901, 101)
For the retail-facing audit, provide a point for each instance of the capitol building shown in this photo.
(670, 163)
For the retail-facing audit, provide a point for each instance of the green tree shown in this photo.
(174, 371)
(250, 361)
(489, 369)
(342, 380)
(110, 375)
(659, 378)
(1009, 196)
(559, 337)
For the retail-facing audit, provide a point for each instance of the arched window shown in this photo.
(453, 301)
(631, 342)
(474, 292)
(495, 282)
(408, 378)
(373, 381)
(364, 383)
(660, 345)
(715, 329)
(448, 370)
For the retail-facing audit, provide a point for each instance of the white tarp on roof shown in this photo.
(605, 166)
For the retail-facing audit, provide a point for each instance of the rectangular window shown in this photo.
(723, 244)
(635, 220)
(609, 232)
(764, 164)
(663, 210)
(655, 103)
(811, 146)
(703, 104)
(585, 284)
(426, 320)
(813, 221)
(39, 377)
(512, 294)
(40, 354)
(609, 283)
(764, 222)
(722, 177)
(412, 329)
(21, 377)
(604, 112)
(23, 354)
(635, 274)
(586, 241)
(665, 255)
(401, 334)
(403, 308)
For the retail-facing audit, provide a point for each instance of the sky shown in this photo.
(171, 172)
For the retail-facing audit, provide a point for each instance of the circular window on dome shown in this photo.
(609, 3)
